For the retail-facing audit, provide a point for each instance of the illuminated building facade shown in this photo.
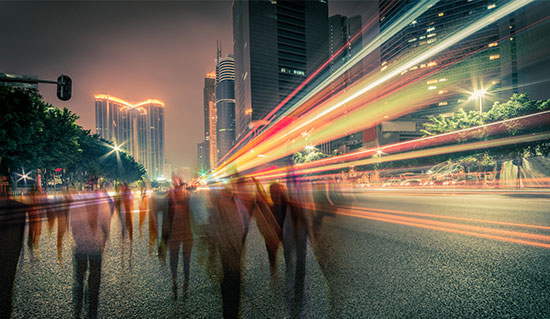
(209, 149)
(469, 65)
(225, 104)
(138, 129)
(277, 44)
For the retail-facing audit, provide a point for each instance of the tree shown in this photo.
(38, 136)
(308, 155)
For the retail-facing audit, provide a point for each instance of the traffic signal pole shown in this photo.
(64, 84)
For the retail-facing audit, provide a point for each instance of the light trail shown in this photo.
(397, 26)
(541, 119)
(425, 153)
(475, 220)
(273, 147)
(451, 230)
(401, 23)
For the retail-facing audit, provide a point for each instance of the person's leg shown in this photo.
(231, 284)
(94, 282)
(80, 265)
(187, 249)
(174, 247)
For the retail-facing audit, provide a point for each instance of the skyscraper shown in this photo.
(225, 103)
(475, 63)
(138, 129)
(341, 31)
(210, 118)
(277, 44)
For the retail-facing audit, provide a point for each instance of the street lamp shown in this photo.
(310, 148)
(479, 94)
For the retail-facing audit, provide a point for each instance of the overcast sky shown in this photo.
(133, 50)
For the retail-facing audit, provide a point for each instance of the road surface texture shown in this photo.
(392, 254)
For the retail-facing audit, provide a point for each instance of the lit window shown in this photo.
(432, 87)
(431, 82)
(404, 71)
(443, 103)
(430, 29)
(442, 80)
(384, 67)
(491, 6)
(431, 35)
(493, 44)
(385, 62)
(412, 40)
(495, 82)
(431, 40)
(422, 37)
(422, 66)
(494, 57)
(442, 91)
(414, 22)
(440, 14)
(414, 68)
(432, 63)
(460, 100)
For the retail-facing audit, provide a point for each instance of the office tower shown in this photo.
(202, 156)
(225, 103)
(341, 31)
(472, 63)
(210, 118)
(277, 44)
(138, 129)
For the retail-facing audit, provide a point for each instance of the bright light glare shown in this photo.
(479, 93)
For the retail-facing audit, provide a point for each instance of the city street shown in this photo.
(395, 253)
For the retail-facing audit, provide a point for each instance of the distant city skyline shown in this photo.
(140, 49)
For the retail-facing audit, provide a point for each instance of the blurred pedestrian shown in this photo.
(90, 219)
(180, 235)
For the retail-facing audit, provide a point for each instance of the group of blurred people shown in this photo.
(215, 220)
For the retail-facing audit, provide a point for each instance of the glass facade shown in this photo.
(138, 129)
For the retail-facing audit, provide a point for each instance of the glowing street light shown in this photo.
(479, 94)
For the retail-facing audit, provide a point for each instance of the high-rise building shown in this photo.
(202, 156)
(341, 31)
(225, 104)
(432, 26)
(277, 44)
(137, 128)
(210, 118)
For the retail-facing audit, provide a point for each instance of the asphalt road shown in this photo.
(393, 254)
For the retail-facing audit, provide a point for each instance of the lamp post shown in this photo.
(479, 94)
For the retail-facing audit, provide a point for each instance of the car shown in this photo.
(392, 182)
(411, 182)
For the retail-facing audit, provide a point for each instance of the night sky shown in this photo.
(133, 50)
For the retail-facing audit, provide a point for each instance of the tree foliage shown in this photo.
(308, 155)
(518, 105)
(38, 136)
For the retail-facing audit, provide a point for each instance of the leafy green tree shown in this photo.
(308, 155)
(38, 136)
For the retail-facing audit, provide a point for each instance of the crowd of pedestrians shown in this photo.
(291, 215)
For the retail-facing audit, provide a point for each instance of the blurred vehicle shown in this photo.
(411, 182)
(392, 182)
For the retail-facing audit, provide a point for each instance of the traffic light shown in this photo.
(64, 87)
